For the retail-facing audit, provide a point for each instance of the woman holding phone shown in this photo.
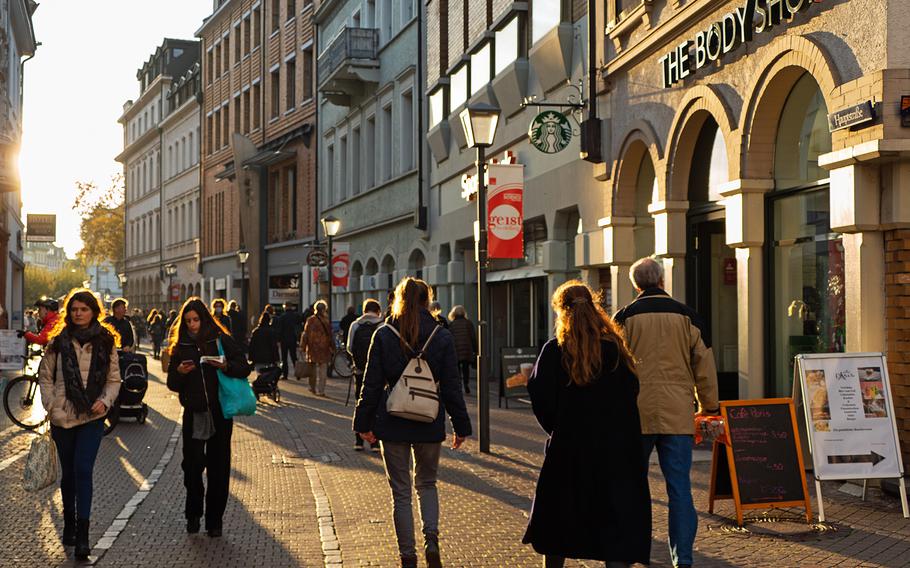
(200, 347)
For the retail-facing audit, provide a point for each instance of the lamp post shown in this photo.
(243, 255)
(170, 270)
(479, 122)
(330, 226)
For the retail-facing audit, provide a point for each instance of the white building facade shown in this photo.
(44, 255)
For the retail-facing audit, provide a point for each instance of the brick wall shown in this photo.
(579, 9)
(437, 40)
(897, 328)
(478, 19)
(457, 30)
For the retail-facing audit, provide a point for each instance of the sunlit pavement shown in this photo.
(301, 496)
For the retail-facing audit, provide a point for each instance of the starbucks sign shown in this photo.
(550, 132)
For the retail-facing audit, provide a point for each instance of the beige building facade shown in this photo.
(757, 148)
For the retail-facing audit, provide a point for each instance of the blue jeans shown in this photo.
(77, 448)
(675, 455)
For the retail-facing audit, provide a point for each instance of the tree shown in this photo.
(40, 281)
(102, 228)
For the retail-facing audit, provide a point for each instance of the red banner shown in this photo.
(505, 211)
(341, 264)
(174, 292)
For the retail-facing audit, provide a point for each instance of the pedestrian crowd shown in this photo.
(607, 391)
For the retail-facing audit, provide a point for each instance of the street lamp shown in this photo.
(479, 122)
(170, 270)
(330, 226)
(122, 277)
(243, 255)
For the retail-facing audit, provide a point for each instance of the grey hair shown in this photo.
(646, 273)
(458, 311)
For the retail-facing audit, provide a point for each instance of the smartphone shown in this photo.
(188, 362)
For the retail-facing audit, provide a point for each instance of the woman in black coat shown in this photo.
(264, 343)
(592, 500)
(206, 431)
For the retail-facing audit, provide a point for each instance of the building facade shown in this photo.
(44, 255)
(17, 41)
(143, 170)
(757, 148)
(103, 279)
(181, 187)
(258, 163)
(369, 117)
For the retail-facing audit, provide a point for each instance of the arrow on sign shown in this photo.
(871, 457)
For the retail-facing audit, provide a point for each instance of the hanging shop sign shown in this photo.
(41, 228)
(550, 132)
(725, 35)
(317, 257)
(505, 211)
(853, 116)
(341, 264)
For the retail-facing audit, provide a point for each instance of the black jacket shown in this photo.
(238, 325)
(287, 327)
(264, 346)
(386, 362)
(189, 386)
(124, 328)
(345, 326)
(592, 499)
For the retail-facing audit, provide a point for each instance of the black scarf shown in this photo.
(82, 398)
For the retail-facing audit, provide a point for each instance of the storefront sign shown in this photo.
(317, 257)
(220, 284)
(341, 264)
(517, 363)
(853, 116)
(550, 132)
(730, 271)
(284, 288)
(505, 212)
(725, 35)
(41, 228)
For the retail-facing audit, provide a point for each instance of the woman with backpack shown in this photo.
(410, 333)
(592, 498)
(79, 379)
(317, 344)
(206, 431)
(465, 343)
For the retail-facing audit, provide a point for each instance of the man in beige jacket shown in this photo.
(676, 371)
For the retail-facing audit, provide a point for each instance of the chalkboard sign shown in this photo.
(760, 462)
(517, 363)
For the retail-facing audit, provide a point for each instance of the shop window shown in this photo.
(436, 108)
(545, 15)
(459, 87)
(710, 149)
(480, 69)
(507, 45)
(802, 136)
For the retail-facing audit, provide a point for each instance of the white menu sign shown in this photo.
(12, 350)
(849, 415)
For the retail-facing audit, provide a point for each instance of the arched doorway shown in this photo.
(416, 263)
(806, 259)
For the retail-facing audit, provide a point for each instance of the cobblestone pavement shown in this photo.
(301, 496)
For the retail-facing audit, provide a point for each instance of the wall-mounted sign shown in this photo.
(852, 116)
(550, 132)
(341, 264)
(730, 271)
(41, 228)
(728, 33)
(317, 257)
(220, 284)
(284, 288)
(174, 293)
(505, 211)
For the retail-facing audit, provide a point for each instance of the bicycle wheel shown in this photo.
(22, 402)
(343, 365)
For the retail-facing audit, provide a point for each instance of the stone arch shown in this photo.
(788, 59)
(371, 267)
(700, 103)
(388, 263)
(641, 140)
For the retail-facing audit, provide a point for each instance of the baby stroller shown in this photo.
(134, 374)
(267, 383)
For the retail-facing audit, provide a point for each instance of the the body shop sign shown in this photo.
(505, 211)
(341, 264)
(723, 36)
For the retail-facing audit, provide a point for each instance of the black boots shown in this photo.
(431, 547)
(193, 525)
(69, 529)
(82, 546)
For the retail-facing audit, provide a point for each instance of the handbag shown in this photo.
(302, 369)
(41, 463)
(236, 395)
(416, 394)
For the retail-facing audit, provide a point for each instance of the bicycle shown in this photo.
(342, 362)
(21, 395)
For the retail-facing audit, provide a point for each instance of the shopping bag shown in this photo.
(165, 360)
(41, 463)
(303, 369)
(236, 395)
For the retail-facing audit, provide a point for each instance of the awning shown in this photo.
(522, 273)
(227, 173)
(268, 157)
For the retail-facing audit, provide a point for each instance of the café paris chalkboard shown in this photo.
(760, 463)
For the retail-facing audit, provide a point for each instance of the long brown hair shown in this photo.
(87, 297)
(209, 328)
(581, 324)
(411, 296)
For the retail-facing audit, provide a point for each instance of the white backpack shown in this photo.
(416, 394)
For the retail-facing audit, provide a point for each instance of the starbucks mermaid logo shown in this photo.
(550, 132)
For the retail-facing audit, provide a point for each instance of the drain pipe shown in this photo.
(591, 128)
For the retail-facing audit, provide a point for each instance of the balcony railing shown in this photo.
(350, 44)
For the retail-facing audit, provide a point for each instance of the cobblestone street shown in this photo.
(301, 496)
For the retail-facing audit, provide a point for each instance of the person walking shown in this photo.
(415, 330)
(238, 322)
(676, 370)
(358, 345)
(264, 350)
(592, 499)
(47, 321)
(288, 335)
(79, 378)
(349, 318)
(156, 330)
(465, 343)
(317, 346)
(206, 431)
(219, 312)
(122, 325)
(436, 312)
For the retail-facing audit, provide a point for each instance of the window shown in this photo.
(459, 87)
(276, 15)
(290, 176)
(257, 105)
(257, 26)
(407, 11)
(217, 130)
(355, 161)
(369, 14)
(246, 111)
(308, 73)
(276, 88)
(292, 9)
(545, 15)
(343, 167)
(227, 126)
(480, 69)
(209, 134)
(178, 167)
(247, 36)
(237, 114)
(274, 207)
(387, 19)
(192, 152)
(170, 161)
(217, 60)
(437, 110)
(237, 44)
(355, 19)
(329, 175)
(290, 96)
(407, 131)
(507, 42)
(386, 127)
(226, 47)
(369, 146)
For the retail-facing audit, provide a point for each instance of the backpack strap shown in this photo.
(417, 354)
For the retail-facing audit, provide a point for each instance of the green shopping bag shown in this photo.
(236, 395)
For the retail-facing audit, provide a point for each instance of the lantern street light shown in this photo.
(243, 255)
(122, 277)
(479, 122)
(330, 227)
